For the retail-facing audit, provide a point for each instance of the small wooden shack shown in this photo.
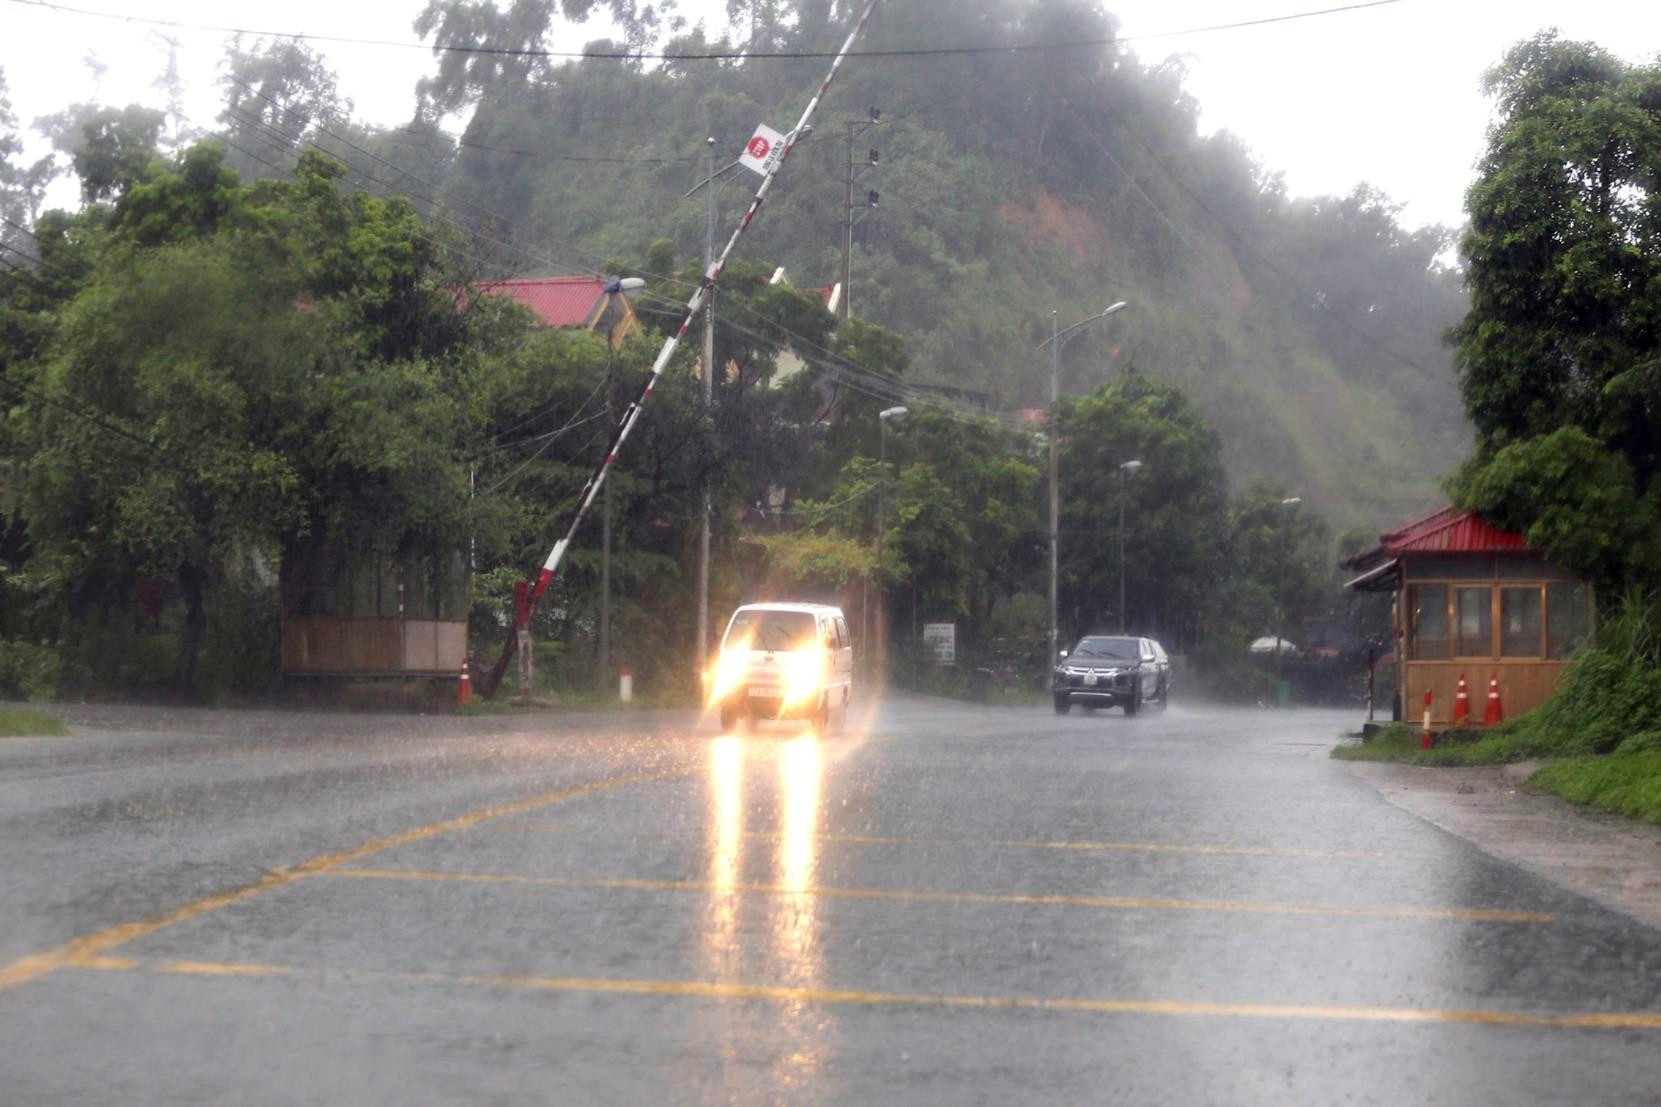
(1473, 600)
(374, 615)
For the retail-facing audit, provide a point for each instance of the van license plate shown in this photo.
(765, 693)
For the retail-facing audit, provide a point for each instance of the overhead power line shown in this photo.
(710, 55)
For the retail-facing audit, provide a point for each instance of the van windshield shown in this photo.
(772, 630)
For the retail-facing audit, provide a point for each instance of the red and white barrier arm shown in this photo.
(489, 681)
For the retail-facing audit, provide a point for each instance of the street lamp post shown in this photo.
(1290, 508)
(884, 417)
(1127, 467)
(1057, 337)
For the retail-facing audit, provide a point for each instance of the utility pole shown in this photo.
(708, 383)
(884, 417)
(1051, 425)
(605, 541)
(853, 172)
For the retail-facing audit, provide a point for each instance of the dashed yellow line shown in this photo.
(902, 895)
(1087, 847)
(79, 950)
(1172, 847)
(219, 968)
(717, 990)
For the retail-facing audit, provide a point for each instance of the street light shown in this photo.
(884, 417)
(1126, 467)
(1290, 504)
(1057, 337)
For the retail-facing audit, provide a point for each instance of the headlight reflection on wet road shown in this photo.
(792, 953)
(726, 792)
(797, 950)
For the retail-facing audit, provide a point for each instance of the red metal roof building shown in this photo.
(568, 301)
(1473, 601)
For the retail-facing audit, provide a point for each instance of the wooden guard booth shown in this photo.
(1473, 599)
(374, 615)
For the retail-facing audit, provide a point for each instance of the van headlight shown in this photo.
(731, 667)
(803, 672)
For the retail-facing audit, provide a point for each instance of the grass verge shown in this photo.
(1626, 783)
(1400, 742)
(19, 723)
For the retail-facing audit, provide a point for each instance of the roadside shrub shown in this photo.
(241, 649)
(1645, 741)
(1603, 699)
(1627, 785)
(28, 671)
(1227, 671)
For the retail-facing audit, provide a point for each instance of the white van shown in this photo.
(784, 660)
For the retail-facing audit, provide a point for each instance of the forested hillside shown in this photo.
(1011, 182)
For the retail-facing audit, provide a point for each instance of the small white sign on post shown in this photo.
(763, 149)
(940, 639)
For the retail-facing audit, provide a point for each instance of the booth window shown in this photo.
(1473, 622)
(1520, 622)
(1428, 606)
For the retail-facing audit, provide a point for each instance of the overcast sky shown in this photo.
(1389, 95)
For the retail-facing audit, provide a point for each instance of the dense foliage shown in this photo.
(1560, 354)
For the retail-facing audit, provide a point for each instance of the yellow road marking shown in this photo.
(37, 965)
(704, 989)
(1113, 902)
(220, 968)
(1165, 847)
(1099, 847)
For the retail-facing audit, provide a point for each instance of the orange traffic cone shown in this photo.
(1461, 704)
(464, 690)
(1495, 712)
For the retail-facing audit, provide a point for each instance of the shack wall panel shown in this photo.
(1524, 685)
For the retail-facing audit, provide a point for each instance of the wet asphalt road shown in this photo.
(944, 905)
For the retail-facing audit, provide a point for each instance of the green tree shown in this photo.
(280, 97)
(1279, 566)
(1574, 497)
(21, 187)
(1564, 329)
(1176, 514)
(109, 148)
(246, 375)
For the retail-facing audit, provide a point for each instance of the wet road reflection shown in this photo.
(784, 945)
(795, 924)
(726, 844)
